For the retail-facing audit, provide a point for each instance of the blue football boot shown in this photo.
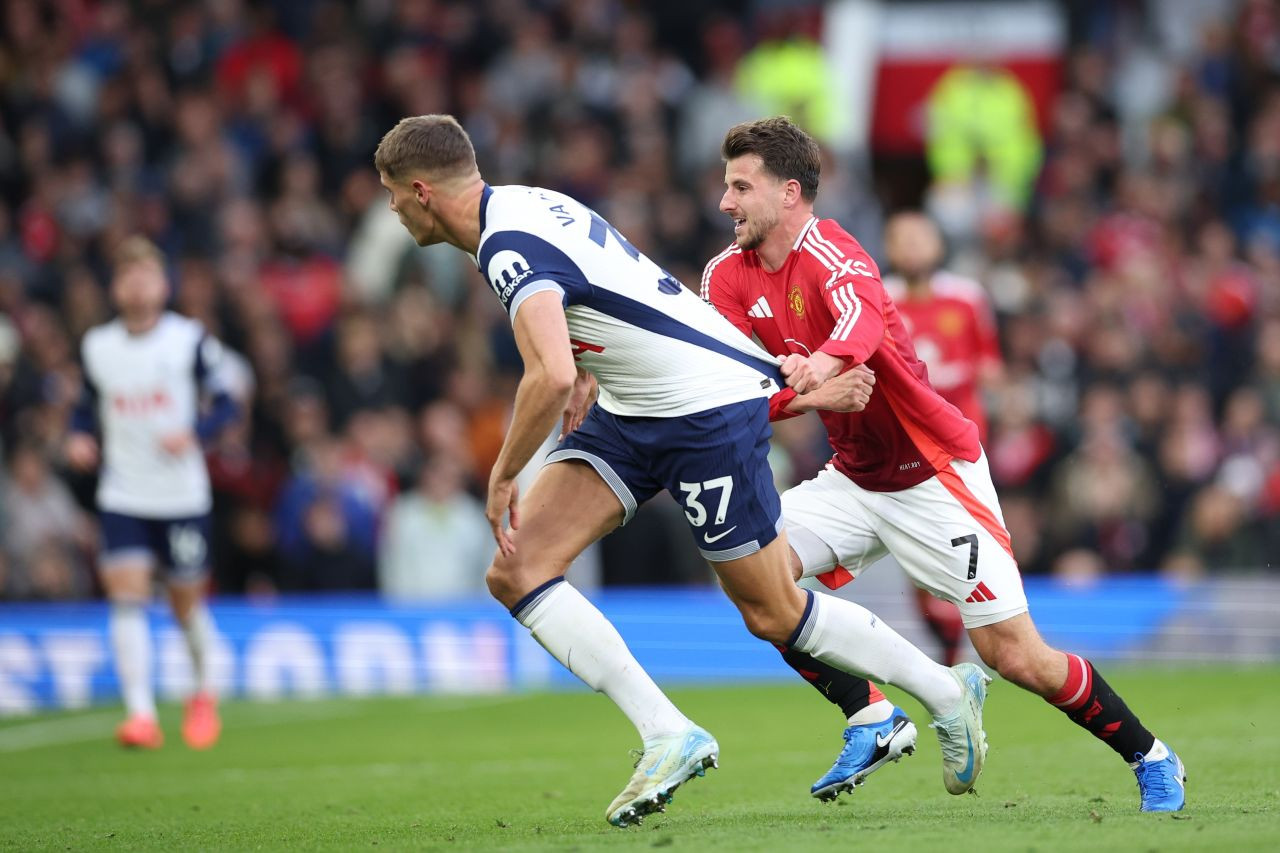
(867, 748)
(1162, 782)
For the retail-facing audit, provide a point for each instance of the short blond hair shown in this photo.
(136, 249)
(434, 144)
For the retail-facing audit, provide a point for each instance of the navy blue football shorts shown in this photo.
(715, 463)
(178, 545)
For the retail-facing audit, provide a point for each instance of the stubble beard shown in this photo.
(758, 228)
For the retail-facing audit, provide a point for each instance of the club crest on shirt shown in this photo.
(796, 300)
(950, 322)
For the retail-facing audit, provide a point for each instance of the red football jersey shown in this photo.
(954, 331)
(828, 297)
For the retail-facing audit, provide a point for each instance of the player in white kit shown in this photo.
(152, 395)
(683, 406)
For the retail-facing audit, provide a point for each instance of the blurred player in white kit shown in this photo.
(151, 396)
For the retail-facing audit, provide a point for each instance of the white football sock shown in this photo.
(852, 638)
(1158, 752)
(577, 634)
(131, 645)
(876, 712)
(198, 630)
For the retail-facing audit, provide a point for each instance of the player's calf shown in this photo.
(1072, 685)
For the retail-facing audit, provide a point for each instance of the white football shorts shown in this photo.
(947, 533)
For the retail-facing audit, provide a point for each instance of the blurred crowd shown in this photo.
(1137, 289)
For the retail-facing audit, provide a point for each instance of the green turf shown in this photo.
(535, 772)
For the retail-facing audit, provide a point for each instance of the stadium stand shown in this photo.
(1137, 290)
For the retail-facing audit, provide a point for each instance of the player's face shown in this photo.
(140, 290)
(912, 245)
(409, 202)
(752, 198)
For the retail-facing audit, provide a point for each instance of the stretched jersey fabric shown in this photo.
(144, 387)
(827, 297)
(954, 332)
(654, 347)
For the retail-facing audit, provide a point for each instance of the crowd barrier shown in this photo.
(57, 655)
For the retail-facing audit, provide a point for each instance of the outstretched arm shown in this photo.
(542, 335)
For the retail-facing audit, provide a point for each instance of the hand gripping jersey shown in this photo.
(654, 347)
(827, 297)
(148, 386)
(954, 332)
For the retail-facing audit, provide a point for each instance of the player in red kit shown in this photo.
(909, 477)
(951, 323)
(948, 316)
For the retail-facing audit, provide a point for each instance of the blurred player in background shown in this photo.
(909, 477)
(683, 406)
(152, 395)
(953, 328)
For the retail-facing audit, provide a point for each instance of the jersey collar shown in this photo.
(808, 226)
(484, 205)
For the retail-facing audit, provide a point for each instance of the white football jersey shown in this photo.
(148, 386)
(655, 348)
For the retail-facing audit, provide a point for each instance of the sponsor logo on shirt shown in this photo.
(142, 403)
(506, 270)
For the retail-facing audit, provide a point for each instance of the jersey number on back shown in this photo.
(599, 234)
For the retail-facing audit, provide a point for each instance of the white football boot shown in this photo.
(666, 763)
(960, 734)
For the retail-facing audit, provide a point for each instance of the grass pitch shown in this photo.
(535, 772)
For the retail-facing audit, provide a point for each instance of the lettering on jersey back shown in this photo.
(563, 215)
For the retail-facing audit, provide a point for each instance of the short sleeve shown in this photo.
(518, 264)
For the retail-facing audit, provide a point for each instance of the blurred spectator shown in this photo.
(436, 542)
(787, 72)
(326, 522)
(1131, 250)
(324, 555)
(47, 536)
(982, 126)
(365, 378)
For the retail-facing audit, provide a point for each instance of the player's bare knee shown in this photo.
(501, 580)
(1015, 664)
(127, 585)
(510, 578)
(769, 624)
(183, 605)
(797, 565)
